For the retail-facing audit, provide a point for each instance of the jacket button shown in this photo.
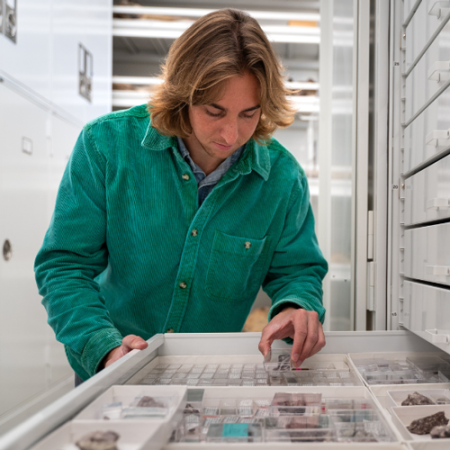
(248, 244)
(183, 285)
(170, 330)
(185, 177)
(194, 232)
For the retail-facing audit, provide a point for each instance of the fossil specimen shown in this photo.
(417, 399)
(440, 432)
(98, 440)
(426, 424)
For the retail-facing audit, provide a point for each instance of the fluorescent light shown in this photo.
(199, 12)
(127, 99)
(151, 81)
(307, 86)
(155, 80)
(144, 28)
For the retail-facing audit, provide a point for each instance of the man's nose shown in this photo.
(230, 132)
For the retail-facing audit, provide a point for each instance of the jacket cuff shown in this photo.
(97, 347)
(301, 303)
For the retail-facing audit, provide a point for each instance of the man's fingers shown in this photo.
(267, 337)
(300, 333)
(313, 335)
(320, 342)
(132, 342)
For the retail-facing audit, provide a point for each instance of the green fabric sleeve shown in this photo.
(73, 254)
(298, 266)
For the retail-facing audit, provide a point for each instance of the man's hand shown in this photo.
(129, 343)
(302, 326)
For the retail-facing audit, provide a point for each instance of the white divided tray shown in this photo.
(395, 398)
(215, 398)
(380, 390)
(173, 397)
(313, 367)
(430, 445)
(402, 416)
(132, 436)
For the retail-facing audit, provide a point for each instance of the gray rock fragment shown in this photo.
(417, 399)
(440, 432)
(98, 440)
(426, 424)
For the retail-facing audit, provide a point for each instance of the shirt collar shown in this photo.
(255, 156)
(219, 171)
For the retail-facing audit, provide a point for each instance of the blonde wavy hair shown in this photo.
(219, 45)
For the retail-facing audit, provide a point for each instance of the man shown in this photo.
(171, 223)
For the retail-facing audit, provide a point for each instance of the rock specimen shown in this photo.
(417, 399)
(149, 402)
(98, 440)
(440, 432)
(189, 409)
(426, 424)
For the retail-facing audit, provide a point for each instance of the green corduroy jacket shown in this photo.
(128, 250)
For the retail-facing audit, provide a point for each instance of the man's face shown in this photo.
(220, 128)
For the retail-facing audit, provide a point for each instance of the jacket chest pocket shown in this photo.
(235, 266)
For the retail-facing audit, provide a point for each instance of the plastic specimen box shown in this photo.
(147, 407)
(313, 428)
(246, 407)
(403, 377)
(131, 402)
(277, 360)
(295, 403)
(227, 406)
(339, 404)
(191, 428)
(428, 363)
(437, 396)
(234, 432)
(362, 432)
(211, 407)
(355, 415)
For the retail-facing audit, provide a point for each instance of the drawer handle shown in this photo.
(439, 271)
(437, 203)
(437, 338)
(440, 71)
(439, 9)
(435, 137)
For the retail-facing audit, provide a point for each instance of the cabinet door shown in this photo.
(28, 59)
(98, 42)
(23, 203)
(68, 32)
(427, 194)
(427, 254)
(426, 312)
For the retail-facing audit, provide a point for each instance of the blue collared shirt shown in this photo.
(206, 183)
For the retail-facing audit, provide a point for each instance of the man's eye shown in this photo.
(247, 116)
(212, 114)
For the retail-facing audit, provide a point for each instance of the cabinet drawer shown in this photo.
(426, 311)
(429, 16)
(428, 136)
(427, 194)
(430, 75)
(427, 254)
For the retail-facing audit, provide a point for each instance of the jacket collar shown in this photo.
(254, 157)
